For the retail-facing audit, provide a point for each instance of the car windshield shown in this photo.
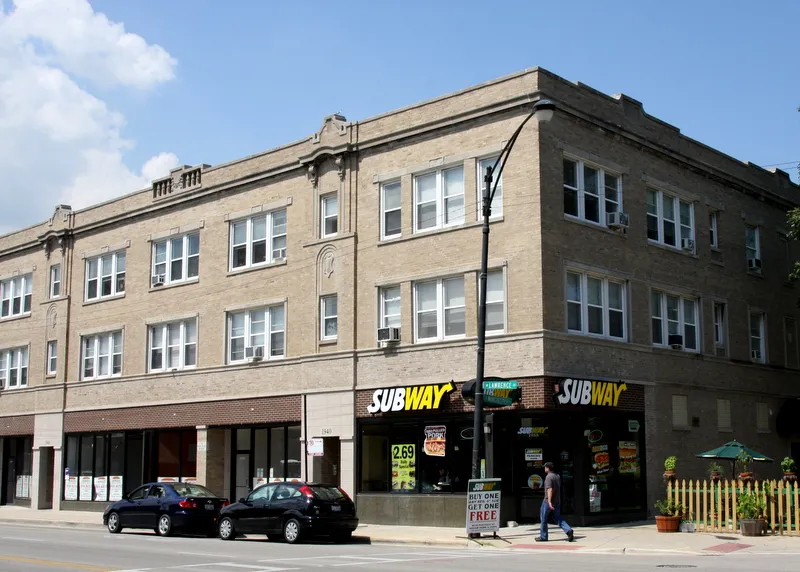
(327, 493)
(190, 490)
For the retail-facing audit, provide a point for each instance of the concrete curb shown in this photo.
(52, 523)
(451, 543)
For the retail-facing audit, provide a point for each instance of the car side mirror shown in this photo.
(242, 500)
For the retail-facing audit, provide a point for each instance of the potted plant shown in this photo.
(789, 468)
(669, 468)
(715, 470)
(670, 518)
(745, 460)
(750, 507)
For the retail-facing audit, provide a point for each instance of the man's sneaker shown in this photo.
(540, 539)
(571, 535)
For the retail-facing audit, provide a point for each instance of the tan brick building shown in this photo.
(208, 327)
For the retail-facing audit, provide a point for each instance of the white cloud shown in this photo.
(58, 142)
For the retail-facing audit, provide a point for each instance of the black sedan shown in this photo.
(291, 511)
(166, 508)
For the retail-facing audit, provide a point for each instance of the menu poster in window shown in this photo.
(168, 480)
(258, 481)
(404, 467)
(628, 457)
(100, 488)
(600, 459)
(595, 498)
(85, 485)
(115, 488)
(191, 480)
(533, 454)
(435, 444)
(18, 492)
(71, 488)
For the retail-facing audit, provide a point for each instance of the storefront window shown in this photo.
(20, 467)
(188, 454)
(374, 459)
(169, 451)
(261, 455)
(100, 472)
(277, 453)
(293, 453)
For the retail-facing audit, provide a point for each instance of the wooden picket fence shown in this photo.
(712, 506)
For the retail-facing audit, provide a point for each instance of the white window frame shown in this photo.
(94, 341)
(387, 320)
(584, 304)
(676, 220)
(392, 186)
(723, 414)
(580, 191)
(713, 229)
(441, 310)
(720, 310)
(680, 411)
(270, 240)
(52, 357)
(270, 329)
(441, 199)
(497, 202)
(55, 281)
(492, 300)
(762, 319)
(19, 358)
(757, 236)
(681, 321)
(162, 331)
(762, 414)
(184, 258)
(325, 317)
(117, 276)
(16, 288)
(325, 217)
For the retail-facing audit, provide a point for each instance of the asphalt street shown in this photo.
(40, 549)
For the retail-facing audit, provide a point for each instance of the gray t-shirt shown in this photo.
(552, 481)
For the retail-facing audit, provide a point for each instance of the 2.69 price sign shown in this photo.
(402, 451)
(404, 467)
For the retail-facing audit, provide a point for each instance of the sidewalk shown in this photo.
(632, 538)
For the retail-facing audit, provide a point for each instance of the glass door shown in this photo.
(242, 475)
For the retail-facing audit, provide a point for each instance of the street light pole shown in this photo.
(543, 109)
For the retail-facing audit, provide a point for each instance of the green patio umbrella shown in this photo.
(730, 451)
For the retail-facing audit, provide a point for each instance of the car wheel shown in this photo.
(291, 531)
(113, 523)
(342, 537)
(164, 525)
(226, 529)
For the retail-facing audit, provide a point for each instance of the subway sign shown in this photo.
(411, 398)
(586, 392)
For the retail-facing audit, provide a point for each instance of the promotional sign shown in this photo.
(100, 488)
(258, 481)
(585, 392)
(169, 479)
(435, 444)
(533, 431)
(633, 426)
(115, 488)
(316, 447)
(413, 398)
(85, 486)
(189, 480)
(70, 488)
(628, 457)
(404, 467)
(483, 505)
(600, 459)
(533, 454)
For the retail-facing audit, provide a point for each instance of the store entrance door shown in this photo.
(533, 449)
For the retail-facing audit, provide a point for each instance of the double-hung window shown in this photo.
(329, 317)
(719, 324)
(724, 415)
(752, 242)
(55, 281)
(176, 259)
(495, 302)
(391, 209)
(757, 345)
(590, 192)
(173, 345)
(439, 199)
(390, 307)
(330, 215)
(670, 220)
(258, 240)
(105, 276)
(52, 357)
(440, 309)
(14, 368)
(497, 202)
(674, 321)
(259, 327)
(596, 306)
(16, 295)
(102, 355)
(713, 229)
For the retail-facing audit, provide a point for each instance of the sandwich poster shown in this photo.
(628, 457)
(435, 444)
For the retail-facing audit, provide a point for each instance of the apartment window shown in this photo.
(497, 202)
(713, 231)
(595, 306)
(680, 411)
(590, 192)
(14, 368)
(762, 417)
(724, 415)
(330, 320)
(102, 355)
(390, 307)
(495, 303)
(258, 240)
(757, 347)
(391, 209)
(176, 259)
(16, 295)
(674, 320)
(105, 276)
(440, 309)
(790, 334)
(330, 215)
(173, 345)
(52, 357)
(55, 281)
(752, 242)
(719, 324)
(261, 327)
(670, 220)
(439, 199)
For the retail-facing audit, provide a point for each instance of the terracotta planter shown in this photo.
(752, 526)
(789, 477)
(715, 476)
(668, 523)
(669, 476)
(745, 477)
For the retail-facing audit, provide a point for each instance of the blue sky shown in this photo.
(250, 75)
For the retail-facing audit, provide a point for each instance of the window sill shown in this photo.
(331, 238)
(597, 337)
(50, 376)
(437, 231)
(755, 274)
(254, 363)
(171, 370)
(174, 284)
(104, 378)
(763, 431)
(717, 262)
(329, 342)
(17, 317)
(238, 271)
(668, 350)
(686, 428)
(725, 429)
(101, 300)
(427, 341)
(594, 225)
(672, 249)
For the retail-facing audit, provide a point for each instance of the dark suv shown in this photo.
(291, 511)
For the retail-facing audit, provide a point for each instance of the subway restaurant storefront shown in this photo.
(415, 447)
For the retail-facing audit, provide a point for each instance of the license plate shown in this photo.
(209, 507)
(336, 508)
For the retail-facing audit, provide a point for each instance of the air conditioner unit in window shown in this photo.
(254, 353)
(157, 280)
(754, 265)
(675, 341)
(280, 254)
(755, 355)
(617, 220)
(388, 334)
(687, 244)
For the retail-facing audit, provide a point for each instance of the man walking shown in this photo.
(552, 504)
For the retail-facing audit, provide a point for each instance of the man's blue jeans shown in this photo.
(544, 514)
